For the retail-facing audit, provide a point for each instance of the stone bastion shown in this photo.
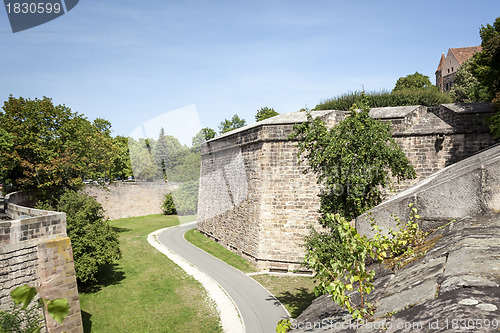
(256, 200)
(35, 250)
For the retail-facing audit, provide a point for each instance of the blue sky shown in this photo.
(131, 61)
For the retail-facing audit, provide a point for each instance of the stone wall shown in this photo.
(35, 250)
(129, 199)
(255, 199)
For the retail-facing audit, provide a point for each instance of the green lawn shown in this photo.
(145, 291)
(294, 292)
(206, 244)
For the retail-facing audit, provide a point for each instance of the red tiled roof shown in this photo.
(464, 53)
(441, 63)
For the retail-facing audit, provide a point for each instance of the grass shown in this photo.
(144, 291)
(294, 292)
(206, 244)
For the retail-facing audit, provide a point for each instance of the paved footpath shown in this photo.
(260, 310)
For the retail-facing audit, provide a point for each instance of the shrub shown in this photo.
(94, 241)
(426, 97)
(168, 205)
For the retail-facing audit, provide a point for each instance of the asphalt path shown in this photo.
(260, 310)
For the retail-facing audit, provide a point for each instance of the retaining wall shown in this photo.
(35, 250)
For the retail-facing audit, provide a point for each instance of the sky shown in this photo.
(131, 62)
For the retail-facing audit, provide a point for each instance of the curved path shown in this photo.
(260, 310)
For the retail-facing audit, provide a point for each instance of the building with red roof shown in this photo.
(448, 66)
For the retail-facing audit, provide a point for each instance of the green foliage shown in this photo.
(94, 242)
(265, 113)
(352, 161)
(168, 205)
(208, 133)
(466, 87)
(53, 148)
(427, 97)
(284, 326)
(186, 198)
(15, 320)
(413, 81)
(346, 270)
(122, 166)
(229, 125)
(27, 319)
(486, 64)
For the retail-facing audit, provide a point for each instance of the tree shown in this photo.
(265, 113)
(229, 125)
(94, 242)
(486, 68)
(53, 148)
(413, 81)
(353, 160)
(466, 87)
(208, 133)
(486, 65)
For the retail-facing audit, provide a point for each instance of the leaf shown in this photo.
(23, 294)
(58, 309)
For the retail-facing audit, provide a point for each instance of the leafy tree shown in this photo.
(53, 148)
(142, 160)
(208, 133)
(229, 125)
(94, 242)
(265, 113)
(466, 87)
(486, 64)
(5, 152)
(353, 160)
(413, 81)
(122, 167)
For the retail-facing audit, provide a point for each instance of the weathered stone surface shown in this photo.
(455, 287)
(35, 250)
(129, 199)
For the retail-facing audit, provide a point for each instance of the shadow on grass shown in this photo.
(119, 230)
(87, 322)
(109, 274)
(297, 301)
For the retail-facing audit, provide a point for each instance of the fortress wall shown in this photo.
(35, 250)
(129, 199)
(232, 175)
(269, 222)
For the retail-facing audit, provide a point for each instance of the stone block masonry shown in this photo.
(256, 200)
(129, 199)
(35, 250)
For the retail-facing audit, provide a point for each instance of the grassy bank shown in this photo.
(144, 291)
(294, 292)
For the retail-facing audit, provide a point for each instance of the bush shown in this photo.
(168, 205)
(186, 198)
(94, 241)
(426, 97)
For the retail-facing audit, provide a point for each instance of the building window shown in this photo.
(452, 69)
(448, 70)
(451, 84)
(446, 87)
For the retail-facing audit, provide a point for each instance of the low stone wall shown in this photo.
(35, 250)
(129, 199)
